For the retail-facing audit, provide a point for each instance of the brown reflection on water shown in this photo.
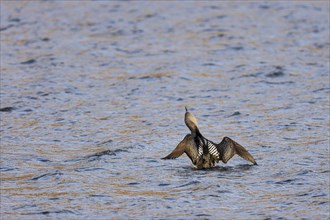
(93, 95)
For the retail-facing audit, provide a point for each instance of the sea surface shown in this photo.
(93, 95)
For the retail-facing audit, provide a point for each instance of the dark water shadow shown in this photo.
(104, 153)
(7, 109)
(55, 175)
(189, 171)
(48, 213)
(96, 156)
(237, 168)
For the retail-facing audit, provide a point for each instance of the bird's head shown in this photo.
(191, 122)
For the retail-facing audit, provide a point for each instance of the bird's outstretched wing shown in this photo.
(228, 148)
(180, 149)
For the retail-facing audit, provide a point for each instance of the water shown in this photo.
(93, 94)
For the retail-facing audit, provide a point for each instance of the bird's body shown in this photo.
(204, 153)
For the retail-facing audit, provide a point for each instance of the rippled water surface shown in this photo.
(93, 95)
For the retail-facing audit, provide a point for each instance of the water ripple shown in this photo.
(91, 102)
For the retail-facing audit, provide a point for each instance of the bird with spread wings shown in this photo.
(204, 153)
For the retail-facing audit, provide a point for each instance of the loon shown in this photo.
(204, 153)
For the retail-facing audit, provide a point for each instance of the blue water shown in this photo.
(93, 95)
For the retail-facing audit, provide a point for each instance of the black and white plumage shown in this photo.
(204, 153)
